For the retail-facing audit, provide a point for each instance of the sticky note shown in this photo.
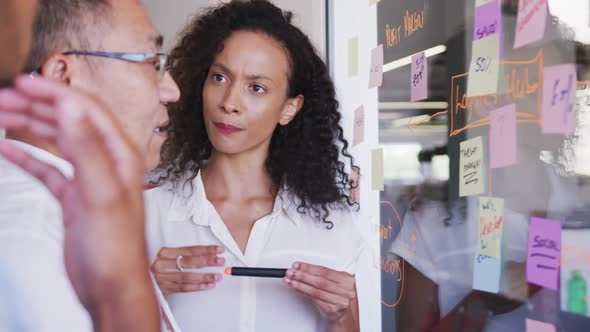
(481, 2)
(488, 20)
(503, 136)
(486, 273)
(355, 192)
(537, 326)
(376, 71)
(530, 22)
(372, 2)
(378, 181)
(559, 99)
(491, 224)
(353, 56)
(419, 77)
(544, 253)
(359, 126)
(485, 67)
(575, 271)
(471, 177)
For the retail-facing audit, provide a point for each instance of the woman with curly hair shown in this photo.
(253, 174)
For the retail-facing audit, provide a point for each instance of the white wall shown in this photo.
(349, 19)
(170, 16)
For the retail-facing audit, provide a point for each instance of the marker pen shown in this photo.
(256, 272)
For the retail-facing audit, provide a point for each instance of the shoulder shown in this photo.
(26, 205)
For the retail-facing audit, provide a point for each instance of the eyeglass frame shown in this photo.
(125, 56)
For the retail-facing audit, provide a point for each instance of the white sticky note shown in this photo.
(378, 181)
(491, 224)
(486, 273)
(484, 70)
(471, 170)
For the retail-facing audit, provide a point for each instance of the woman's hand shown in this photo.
(172, 280)
(332, 292)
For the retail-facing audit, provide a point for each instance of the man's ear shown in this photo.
(290, 109)
(58, 67)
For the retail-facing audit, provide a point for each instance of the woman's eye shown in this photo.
(218, 78)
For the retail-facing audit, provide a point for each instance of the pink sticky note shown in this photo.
(359, 126)
(376, 74)
(530, 22)
(544, 253)
(559, 99)
(488, 20)
(419, 77)
(503, 137)
(536, 326)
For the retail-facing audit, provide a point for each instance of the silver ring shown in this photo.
(179, 263)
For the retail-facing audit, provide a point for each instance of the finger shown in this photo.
(321, 283)
(50, 176)
(188, 278)
(333, 275)
(169, 287)
(172, 253)
(15, 102)
(27, 124)
(191, 262)
(317, 294)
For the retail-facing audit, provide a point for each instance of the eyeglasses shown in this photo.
(158, 60)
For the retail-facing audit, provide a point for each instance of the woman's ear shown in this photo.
(290, 109)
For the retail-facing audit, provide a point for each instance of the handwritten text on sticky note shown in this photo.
(359, 126)
(488, 20)
(559, 99)
(530, 22)
(544, 253)
(471, 167)
(503, 136)
(486, 273)
(485, 67)
(491, 224)
(376, 71)
(419, 77)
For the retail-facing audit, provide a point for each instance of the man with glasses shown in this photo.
(108, 49)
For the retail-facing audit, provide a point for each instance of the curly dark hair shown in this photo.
(304, 155)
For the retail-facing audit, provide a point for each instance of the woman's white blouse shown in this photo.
(177, 218)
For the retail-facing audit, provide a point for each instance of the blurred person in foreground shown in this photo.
(72, 224)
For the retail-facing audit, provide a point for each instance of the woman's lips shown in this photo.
(226, 129)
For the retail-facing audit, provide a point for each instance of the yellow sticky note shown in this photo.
(484, 70)
(372, 2)
(491, 224)
(378, 181)
(481, 2)
(353, 56)
(471, 171)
